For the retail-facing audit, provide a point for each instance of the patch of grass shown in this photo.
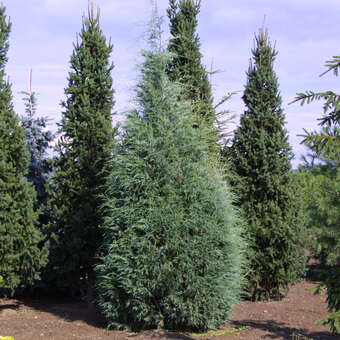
(24, 311)
(299, 336)
(220, 332)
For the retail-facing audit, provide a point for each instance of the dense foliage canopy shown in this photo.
(83, 153)
(185, 64)
(22, 249)
(173, 250)
(260, 157)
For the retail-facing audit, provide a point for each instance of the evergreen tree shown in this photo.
(172, 245)
(22, 253)
(324, 193)
(260, 156)
(321, 185)
(38, 138)
(185, 66)
(86, 133)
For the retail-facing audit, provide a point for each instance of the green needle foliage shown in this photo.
(326, 141)
(185, 66)
(173, 250)
(22, 249)
(321, 184)
(324, 191)
(261, 156)
(86, 134)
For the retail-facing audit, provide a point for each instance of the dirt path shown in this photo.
(293, 318)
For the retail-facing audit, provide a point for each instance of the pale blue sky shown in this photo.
(305, 32)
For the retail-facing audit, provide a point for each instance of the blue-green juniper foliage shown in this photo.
(172, 246)
(38, 138)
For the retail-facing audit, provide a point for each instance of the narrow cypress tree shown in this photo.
(22, 253)
(185, 65)
(172, 236)
(86, 133)
(261, 156)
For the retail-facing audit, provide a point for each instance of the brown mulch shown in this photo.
(292, 318)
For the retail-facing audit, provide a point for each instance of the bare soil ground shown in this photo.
(292, 318)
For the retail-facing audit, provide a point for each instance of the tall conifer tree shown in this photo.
(172, 236)
(22, 250)
(86, 133)
(261, 157)
(185, 65)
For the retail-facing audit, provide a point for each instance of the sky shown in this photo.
(305, 33)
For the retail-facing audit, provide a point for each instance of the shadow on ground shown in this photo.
(10, 306)
(278, 330)
(75, 311)
(69, 310)
(158, 334)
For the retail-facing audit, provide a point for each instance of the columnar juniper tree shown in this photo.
(22, 253)
(185, 66)
(86, 133)
(172, 237)
(261, 156)
(38, 139)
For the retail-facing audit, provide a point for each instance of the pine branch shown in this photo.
(331, 106)
(332, 65)
(225, 98)
(310, 96)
